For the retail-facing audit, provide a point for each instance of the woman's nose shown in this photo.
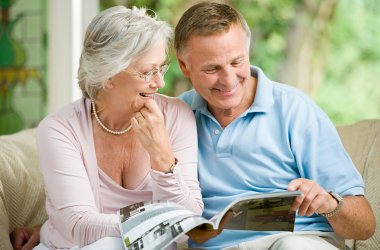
(157, 81)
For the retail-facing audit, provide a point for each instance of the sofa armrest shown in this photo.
(362, 142)
(22, 197)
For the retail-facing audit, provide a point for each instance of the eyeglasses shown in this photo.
(148, 76)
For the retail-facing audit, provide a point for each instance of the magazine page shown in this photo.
(165, 233)
(155, 224)
(261, 212)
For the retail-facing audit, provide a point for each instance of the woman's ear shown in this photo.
(109, 83)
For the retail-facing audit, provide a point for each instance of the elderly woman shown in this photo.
(120, 144)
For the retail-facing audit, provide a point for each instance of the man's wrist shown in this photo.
(339, 199)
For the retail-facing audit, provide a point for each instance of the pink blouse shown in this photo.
(81, 200)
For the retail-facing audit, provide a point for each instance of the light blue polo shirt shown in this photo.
(284, 135)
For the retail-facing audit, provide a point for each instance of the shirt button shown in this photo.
(216, 131)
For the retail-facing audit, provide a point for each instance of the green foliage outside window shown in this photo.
(344, 48)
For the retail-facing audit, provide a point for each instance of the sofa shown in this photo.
(22, 194)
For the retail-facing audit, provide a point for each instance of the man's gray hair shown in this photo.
(115, 38)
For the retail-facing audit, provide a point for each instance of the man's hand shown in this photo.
(314, 198)
(201, 234)
(25, 238)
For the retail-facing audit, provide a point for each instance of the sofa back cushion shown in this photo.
(22, 197)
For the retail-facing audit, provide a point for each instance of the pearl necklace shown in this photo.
(104, 127)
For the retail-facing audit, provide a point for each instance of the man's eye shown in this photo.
(236, 63)
(210, 71)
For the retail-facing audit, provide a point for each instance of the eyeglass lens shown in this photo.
(153, 73)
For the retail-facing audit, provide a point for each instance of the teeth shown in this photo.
(146, 95)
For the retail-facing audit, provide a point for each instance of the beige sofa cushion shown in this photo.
(362, 142)
(22, 196)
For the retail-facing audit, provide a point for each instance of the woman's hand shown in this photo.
(25, 238)
(149, 126)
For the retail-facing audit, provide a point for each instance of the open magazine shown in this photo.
(157, 224)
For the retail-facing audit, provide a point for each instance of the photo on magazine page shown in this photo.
(138, 208)
(264, 214)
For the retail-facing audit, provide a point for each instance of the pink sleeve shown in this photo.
(70, 199)
(182, 186)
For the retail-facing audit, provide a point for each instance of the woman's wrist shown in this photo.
(172, 167)
(164, 163)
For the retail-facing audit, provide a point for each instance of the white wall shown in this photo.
(67, 22)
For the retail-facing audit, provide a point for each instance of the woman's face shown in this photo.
(141, 80)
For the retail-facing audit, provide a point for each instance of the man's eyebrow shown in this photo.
(210, 65)
(238, 57)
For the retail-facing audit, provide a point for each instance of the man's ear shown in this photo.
(182, 65)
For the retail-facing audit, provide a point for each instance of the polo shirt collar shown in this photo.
(264, 92)
(198, 103)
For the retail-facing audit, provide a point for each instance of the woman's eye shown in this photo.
(149, 72)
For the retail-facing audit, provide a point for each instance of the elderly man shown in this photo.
(258, 136)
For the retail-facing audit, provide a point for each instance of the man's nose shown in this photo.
(227, 76)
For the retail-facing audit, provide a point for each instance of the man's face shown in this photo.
(218, 67)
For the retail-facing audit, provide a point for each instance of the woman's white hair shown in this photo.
(114, 39)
